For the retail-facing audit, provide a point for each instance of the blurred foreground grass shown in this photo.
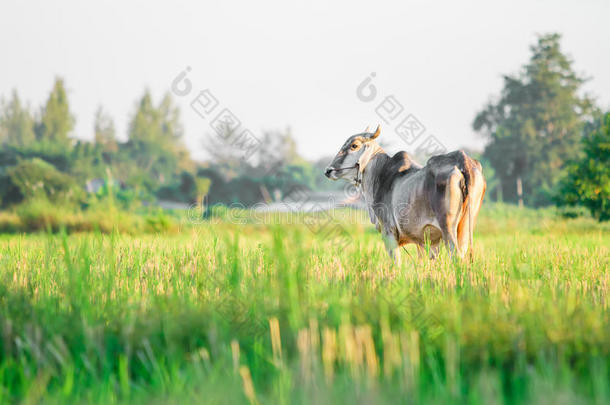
(246, 311)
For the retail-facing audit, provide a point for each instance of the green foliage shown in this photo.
(105, 135)
(274, 169)
(112, 195)
(57, 122)
(185, 189)
(158, 221)
(153, 162)
(16, 123)
(37, 178)
(48, 161)
(202, 186)
(588, 180)
(535, 126)
(41, 215)
(153, 146)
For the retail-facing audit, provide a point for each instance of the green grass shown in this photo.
(270, 313)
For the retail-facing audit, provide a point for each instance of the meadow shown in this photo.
(269, 311)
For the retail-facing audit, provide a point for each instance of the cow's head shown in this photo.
(353, 156)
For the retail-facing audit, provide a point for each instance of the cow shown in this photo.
(409, 203)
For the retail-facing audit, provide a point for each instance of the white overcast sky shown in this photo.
(279, 64)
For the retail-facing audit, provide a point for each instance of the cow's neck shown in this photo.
(377, 183)
(371, 175)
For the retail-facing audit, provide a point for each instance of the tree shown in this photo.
(588, 180)
(275, 150)
(536, 125)
(104, 132)
(56, 122)
(274, 168)
(224, 156)
(158, 124)
(16, 123)
(154, 144)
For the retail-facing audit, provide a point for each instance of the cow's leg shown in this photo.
(392, 247)
(449, 230)
(463, 231)
(448, 209)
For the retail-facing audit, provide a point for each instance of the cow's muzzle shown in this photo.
(331, 172)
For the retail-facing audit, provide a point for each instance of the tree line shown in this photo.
(548, 143)
(39, 158)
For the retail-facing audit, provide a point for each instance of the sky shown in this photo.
(294, 64)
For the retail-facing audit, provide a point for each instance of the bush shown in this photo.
(588, 180)
(41, 215)
(35, 178)
(158, 222)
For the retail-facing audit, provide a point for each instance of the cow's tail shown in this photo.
(470, 231)
(465, 165)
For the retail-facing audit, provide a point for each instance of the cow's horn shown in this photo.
(367, 129)
(377, 132)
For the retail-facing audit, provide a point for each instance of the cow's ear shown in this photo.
(377, 132)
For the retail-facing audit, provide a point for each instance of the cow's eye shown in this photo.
(354, 146)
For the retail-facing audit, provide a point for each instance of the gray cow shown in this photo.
(409, 203)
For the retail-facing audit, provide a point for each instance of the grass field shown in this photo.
(267, 313)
